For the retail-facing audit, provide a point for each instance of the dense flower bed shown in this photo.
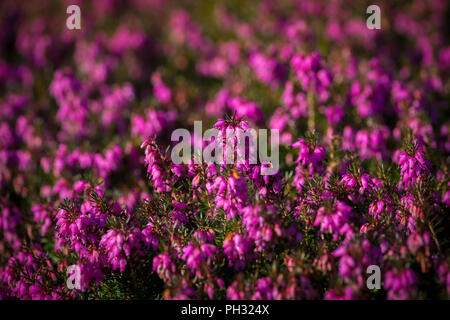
(87, 179)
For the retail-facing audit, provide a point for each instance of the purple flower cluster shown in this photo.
(412, 165)
(310, 160)
(87, 178)
(335, 221)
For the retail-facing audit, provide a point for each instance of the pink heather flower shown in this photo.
(349, 181)
(376, 208)
(43, 216)
(118, 247)
(230, 195)
(125, 39)
(204, 236)
(68, 138)
(312, 74)
(411, 166)
(156, 166)
(400, 284)
(162, 93)
(26, 273)
(234, 292)
(444, 275)
(237, 248)
(266, 184)
(267, 70)
(10, 219)
(263, 225)
(362, 183)
(418, 241)
(247, 109)
(354, 257)
(310, 160)
(334, 114)
(266, 290)
(372, 143)
(344, 294)
(446, 198)
(164, 267)
(198, 256)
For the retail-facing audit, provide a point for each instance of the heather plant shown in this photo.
(89, 187)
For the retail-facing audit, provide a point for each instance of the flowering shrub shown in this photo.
(87, 178)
